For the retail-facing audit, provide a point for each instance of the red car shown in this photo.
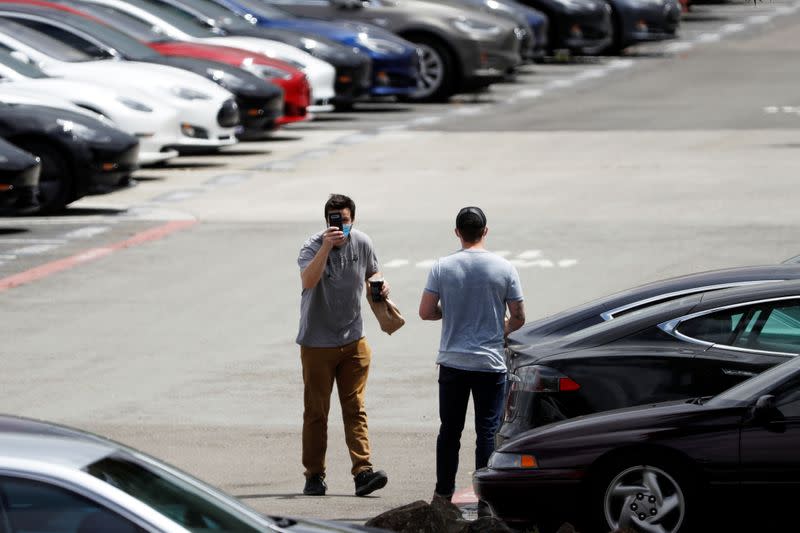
(296, 90)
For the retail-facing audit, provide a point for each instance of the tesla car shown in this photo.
(727, 463)
(637, 21)
(462, 50)
(353, 66)
(296, 90)
(54, 478)
(695, 345)
(260, 103)
(19, 180)
(208, 113)
(394, 60)
(79, 155)
(181, 26)
(581, 27)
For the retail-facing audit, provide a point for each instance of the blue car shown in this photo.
(395, 61)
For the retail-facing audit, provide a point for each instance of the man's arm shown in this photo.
(516, 319)
(385, 288)
(312, 273)
(429, 307)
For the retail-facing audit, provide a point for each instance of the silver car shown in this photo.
(55, 479)
(461, 48)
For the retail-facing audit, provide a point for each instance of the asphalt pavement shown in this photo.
(164, 315)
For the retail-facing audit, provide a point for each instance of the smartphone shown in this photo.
(335, 220)
(375, 287)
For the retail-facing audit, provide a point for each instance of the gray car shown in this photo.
(462, 49)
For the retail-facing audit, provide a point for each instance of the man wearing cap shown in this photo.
(469, 291)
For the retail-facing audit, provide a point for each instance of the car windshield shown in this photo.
(180, 498)
(176, 17)
(119, 19)
(42, 43)
(752, 388)
(261, 8)
(26, 69)
(125, 44)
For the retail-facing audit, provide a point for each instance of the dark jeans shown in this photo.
(455, 386)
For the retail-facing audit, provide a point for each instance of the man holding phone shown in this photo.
(334, 266)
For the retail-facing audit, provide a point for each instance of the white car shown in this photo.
(181, 26)
(155, 124)
(207, 113)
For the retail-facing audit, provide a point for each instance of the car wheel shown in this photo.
(616, 46)
(55, 179)
(437, 71)
(643, 495)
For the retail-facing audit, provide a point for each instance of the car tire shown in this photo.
(643, 488)
(55, 179)
(616, 46)
(438, 72)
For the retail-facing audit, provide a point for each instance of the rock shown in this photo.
(488, 524)
(566, 527)
(439, 516)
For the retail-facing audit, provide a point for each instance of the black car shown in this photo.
(696, 345)
(79, 155)
(578, 26)
(729, 463)
(19, 180)
(260, 102)
(636, 21)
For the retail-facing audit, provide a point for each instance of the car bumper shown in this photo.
(650, 23)
(525, 496)
(19, 190)
(395, 76)
(352, 82)
(110, 167)
(259, 116)
(583, 33)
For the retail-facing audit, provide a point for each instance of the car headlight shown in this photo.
(82, 131)
(476, 27)
(380, 46)
(512, 461)
(134, 104)
(266, 71)
(189, 94)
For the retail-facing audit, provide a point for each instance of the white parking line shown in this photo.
(426, 121)
(529, 93)
(560, 84)
(35, 249)
(227, 179)
(468, 111)
(620, 63)
(567, 263)
(355, 138)
(759, 19)
(708, 38)
(32, 241)
(529, 254)
(393, 127)
(732, 28)
(176, 196)
(86, 233)
(591, 74)
(676, 48)
(394, 263)
(771, 109)
(427, 263)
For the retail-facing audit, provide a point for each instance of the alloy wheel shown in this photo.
(645, 498)
(431, 71)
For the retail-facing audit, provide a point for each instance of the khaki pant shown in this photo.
(348, 366)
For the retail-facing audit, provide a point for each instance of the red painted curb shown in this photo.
(48, 269)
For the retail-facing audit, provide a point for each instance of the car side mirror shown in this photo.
(346, 4)
(764, 409)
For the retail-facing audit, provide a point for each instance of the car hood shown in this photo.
(13, 160)
(236, 80)
(273, 49)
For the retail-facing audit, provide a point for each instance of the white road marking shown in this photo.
(94, 253)
(620, 63)
(427, 263)
(529, 254)
(759, 19)
(315, 154)
(732, 28)
(708, 38)
(771, 109)
(426, 121)
(35, 249)
(227, 179)
(529, 93)
(155, 212)
(468, 111)
(567, 263)
(503, 253)
(560, 84)
(32, 241)
(176, 196)
(394, 263)
(355, 138)
(276, 165)
(86, 233)
(592, 74)
(676, 48)
(785, 10)
(789, 109)
(393, 127)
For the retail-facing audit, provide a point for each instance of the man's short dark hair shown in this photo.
(470, 223)
(337, 202)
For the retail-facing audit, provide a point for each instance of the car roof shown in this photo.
(52, 449)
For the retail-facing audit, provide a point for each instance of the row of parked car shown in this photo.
(671, 407)
(96, 88)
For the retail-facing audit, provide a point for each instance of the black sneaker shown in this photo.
(484, 509)
(368, 481)
(315, 486)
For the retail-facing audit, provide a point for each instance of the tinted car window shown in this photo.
(780, 331)
(717, 328)
(127, 23)
(176, 17)
(64, 36)
(43, 43)
(26, 69)
(34, 506)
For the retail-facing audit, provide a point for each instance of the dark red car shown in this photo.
(296, 89)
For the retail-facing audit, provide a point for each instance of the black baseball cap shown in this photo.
(471, 217)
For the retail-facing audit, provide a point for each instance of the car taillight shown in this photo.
(532, 379)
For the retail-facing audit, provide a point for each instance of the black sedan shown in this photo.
(19, 180)
(637, 21)
(729, 463)
(693, 346)
(79, 155)
(260, 102)
(577, 26)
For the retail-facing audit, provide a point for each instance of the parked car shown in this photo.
(461, 50)
(154, 123)
(19, 180)
(728, 463)
(695, 345)
(395, 63)
(634, 21)
(79, 155)
(180, 26)
(260, 102)
(84, 483)
(208, 113)
(296, 89)
(353, 66)
(581, 27)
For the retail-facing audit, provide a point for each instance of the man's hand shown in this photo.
(333, 237)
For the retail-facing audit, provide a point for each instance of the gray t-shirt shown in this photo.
(473, 287)
(330, 313)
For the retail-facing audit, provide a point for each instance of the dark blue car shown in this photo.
(395, 63)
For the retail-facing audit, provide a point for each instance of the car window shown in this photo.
(119, 19)
(26, 69)
(264, 9)
(176, 17)
(66, 37)
(42, 43)
(38, 507)
(772, 327)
